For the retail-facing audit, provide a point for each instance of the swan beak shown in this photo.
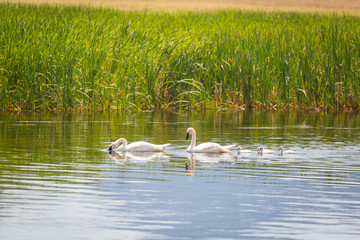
(110, 149)
(187, 136)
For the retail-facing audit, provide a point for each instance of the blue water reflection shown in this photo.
(58, 181)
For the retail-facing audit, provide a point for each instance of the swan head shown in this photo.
(260, 149)
(189, 131)
(239, 149)
(111, 148)
(115, 144)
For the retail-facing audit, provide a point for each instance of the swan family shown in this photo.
(209, 147)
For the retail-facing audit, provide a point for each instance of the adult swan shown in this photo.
(205, 147)
(136, 146)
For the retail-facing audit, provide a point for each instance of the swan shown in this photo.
(240, 151)
(205, 147)
(282, 152)
(136, 146)
(261, 151)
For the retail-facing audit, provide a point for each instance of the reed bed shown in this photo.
(80, 58)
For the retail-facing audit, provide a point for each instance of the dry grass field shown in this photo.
(351, 7)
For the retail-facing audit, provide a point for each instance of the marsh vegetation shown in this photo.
(64, 58)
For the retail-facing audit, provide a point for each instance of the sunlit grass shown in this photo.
(350, 7)
(57, 58)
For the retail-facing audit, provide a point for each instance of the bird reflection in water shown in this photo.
(205, 157)
(121, 157)
(211, 157)
(190, 170)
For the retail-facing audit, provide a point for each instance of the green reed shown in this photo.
(59, 58)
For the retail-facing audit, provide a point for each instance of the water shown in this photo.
(58, 182)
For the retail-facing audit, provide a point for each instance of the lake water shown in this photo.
(57, 181)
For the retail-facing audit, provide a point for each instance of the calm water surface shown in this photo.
(58, 182)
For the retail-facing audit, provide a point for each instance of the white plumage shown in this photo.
(205, 147)
(261, 151)
(282, 152)
(241, 151)
(136, 146)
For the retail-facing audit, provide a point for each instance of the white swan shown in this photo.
(136, 146)
(205, 147)
(261, 151)
(282, 152)
(240, 151)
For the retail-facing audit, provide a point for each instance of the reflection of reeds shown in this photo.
(81, 58)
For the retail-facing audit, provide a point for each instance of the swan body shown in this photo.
(282, 152)
(261, 151)
(205, 147)
(240, 151)
(136, 146)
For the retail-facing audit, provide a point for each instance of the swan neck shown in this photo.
(193, 141)
(124, 143)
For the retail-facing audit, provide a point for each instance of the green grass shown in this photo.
(64, 58)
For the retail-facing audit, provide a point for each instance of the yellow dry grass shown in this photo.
(351, 7)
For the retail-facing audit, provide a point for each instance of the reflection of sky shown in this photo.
(212, 204)
(61, 183)
(137, 204)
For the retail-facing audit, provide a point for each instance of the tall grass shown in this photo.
(58, 58)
